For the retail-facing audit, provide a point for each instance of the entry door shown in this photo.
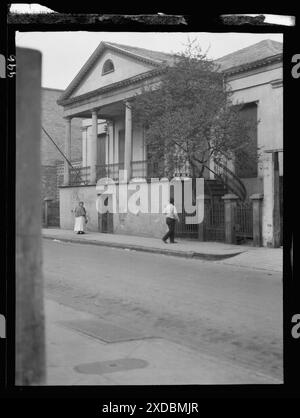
(121, 148)
(105, 220)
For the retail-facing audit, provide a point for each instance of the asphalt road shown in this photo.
(230, 312)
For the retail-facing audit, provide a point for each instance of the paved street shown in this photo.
(229, 312)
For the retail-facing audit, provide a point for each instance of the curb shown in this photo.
(174, 253)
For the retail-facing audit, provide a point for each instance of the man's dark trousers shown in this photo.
(171, 233)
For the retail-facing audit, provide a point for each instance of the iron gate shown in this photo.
(214, 221)
(244, 220)
(184, 230)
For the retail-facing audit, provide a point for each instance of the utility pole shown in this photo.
(30, 338)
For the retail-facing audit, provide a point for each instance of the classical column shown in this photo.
(128, 139)
(230, 205)
(93, 143)
(257, 199)
(67, 151)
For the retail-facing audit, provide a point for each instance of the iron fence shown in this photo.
(60, 174)
(244, 219)
(182, 229)
(214, 221)
(139, 168)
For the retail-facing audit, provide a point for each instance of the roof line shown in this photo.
(141, 57)
(64, 98)
(89, 63)
(51, 88)
(253, 64)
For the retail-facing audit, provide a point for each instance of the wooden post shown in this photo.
(230, 205)
(30, 344)
(257, 199)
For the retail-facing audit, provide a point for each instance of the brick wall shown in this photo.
(53, 122)
(49, 182)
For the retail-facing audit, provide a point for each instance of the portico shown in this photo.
(101, 95)
(109, 144)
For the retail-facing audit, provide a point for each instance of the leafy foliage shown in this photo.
(189, 118)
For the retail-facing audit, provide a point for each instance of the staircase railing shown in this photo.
(230, 179)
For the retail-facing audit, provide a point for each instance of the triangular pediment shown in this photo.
(127, 62)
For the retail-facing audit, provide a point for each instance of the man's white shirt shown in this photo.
(170, 211)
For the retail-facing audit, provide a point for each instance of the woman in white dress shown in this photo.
(80, 218)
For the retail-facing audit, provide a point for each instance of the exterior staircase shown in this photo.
(230, 180)
(226, 181)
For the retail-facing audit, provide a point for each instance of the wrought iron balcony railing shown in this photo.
(147, 169)
(109, 170)
(79, 176)
(142, 169)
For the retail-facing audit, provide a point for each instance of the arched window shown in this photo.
(108, 67)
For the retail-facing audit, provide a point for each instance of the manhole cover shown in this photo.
(103, 330)
(111, 366)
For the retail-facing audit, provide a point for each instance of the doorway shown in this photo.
(105, 220)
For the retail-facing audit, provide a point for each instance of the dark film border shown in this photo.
(212, 23)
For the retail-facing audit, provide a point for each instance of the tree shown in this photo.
(189, 118)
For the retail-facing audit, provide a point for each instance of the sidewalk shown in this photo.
(77, 357)
(238, 255)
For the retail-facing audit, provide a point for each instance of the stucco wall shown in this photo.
(258, 87)
(125, 67)
(253, 185)
(69, 198)
(144, 224)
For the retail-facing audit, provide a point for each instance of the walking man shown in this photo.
(171, 216)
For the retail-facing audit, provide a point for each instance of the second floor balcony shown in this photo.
(80, 176)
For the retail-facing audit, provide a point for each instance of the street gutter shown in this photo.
(153, 250)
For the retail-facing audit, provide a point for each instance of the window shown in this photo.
(108, 67)
(246, 160)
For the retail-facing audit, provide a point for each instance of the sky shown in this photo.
(64, 53)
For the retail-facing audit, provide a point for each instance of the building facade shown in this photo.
(100, 95)
(51, 158)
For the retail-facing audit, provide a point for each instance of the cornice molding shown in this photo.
(251, 65)
(113, 86)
